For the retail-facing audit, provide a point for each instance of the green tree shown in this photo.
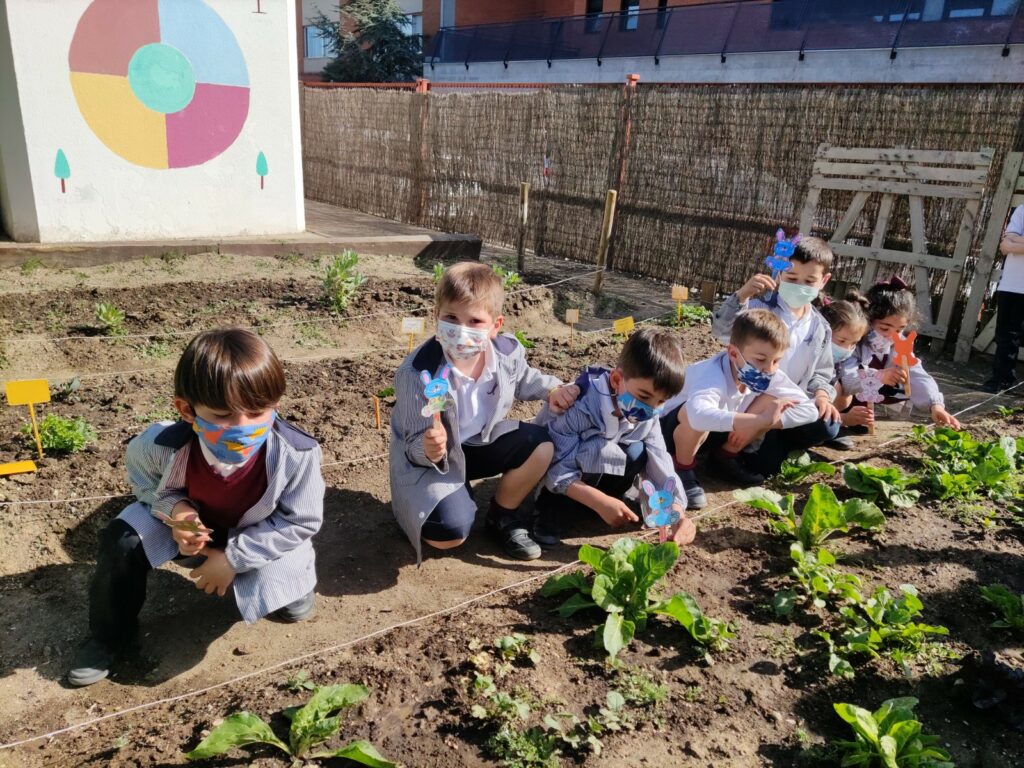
(371, 44)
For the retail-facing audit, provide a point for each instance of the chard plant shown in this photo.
(889, 737)
(509, 278)
(110, 318)
(61, 435)
(960, 468)
(796, 469)
(818, 582)
(342, 281)
(888, 487)
(822, 516)
(1007, 603)
(311, 726)
(624, 577)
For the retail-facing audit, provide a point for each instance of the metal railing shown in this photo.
(746, 26)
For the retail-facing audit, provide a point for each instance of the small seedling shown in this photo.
(818, 582)
(691, 315)
(523, 339)
(639, 688)
(437, 273)
(386, 393)
(299, 682)
(30, 265)
(62, 435)
(110, 318)
(1006, 413)
(311, 725)
(342, 280)
(509, 279)
(1007, 603)
(516, 647)
(889, 737)
(156, 350)
(66, 389)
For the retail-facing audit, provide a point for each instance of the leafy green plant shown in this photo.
(818, 582)
(437, 273)
(523, 339)
(624, 576)
(516, 647)
(311, 725)
(62, 435)
(1009, 604)
(888, 487)
(890, 737)
(156, 350)
(639, 688)
(110, 318)
(795, 470)
(342, 280)
(30, 265)
(300, 681)
(961, 468)
(509, 278)
(821, 517)
(1006, 413)
(386, 392)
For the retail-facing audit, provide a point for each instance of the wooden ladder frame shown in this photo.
(916, 173)
(1008, 195)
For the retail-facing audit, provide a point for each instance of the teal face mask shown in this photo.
(839, 354)
(796, 295)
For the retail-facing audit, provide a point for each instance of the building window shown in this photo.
(663, 12)
(593, 22)
(447, 13)
(316, 46)
(630, 14)
(414, 24)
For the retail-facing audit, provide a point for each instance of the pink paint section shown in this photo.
(207, 126)
(109, 33)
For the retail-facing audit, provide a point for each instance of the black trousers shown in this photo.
(614, 485)
(1009, 334)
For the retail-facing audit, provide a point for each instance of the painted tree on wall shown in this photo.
(61, 169)
(371, 43)
(261, 167)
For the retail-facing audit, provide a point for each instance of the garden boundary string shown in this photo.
(399, 625)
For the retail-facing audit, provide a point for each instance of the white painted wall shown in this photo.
(110, 198)
(959, 64)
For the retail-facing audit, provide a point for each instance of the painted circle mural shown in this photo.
(161, 82)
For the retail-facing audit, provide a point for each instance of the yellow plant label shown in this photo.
(28, 391)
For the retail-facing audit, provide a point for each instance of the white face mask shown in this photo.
(796, 295)
(460, 342)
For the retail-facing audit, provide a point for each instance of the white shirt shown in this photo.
(475, 398)
(222, 468)
(711, 397)
(1012, 280)
(801, 356)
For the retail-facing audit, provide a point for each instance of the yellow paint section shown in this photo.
(120, 120)
(17, 467)
(28, 391)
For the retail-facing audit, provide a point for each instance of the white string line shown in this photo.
(391, 628)
(285, 323)
(295, 660)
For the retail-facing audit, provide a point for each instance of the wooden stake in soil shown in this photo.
(572, 316)
(524, 204)
(606, 233)
(708, 290)
(376, 412)
(29, 392)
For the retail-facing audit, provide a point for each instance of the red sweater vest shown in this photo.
(222, 501)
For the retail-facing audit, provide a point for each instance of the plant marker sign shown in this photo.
(779, 261)
(29, 392)
(436, 392)
(572, 316)
(624, 326)
(412, 327)
(870, 384)
(680, 293)
(661, 515)
(903, 355)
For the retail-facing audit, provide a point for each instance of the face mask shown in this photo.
(233, 445)
(460, 342)
(796, 295)
(839, 354)
(878, 343)
(634, 410)
(753, 379)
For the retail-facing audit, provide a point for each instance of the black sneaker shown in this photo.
(695, 498)
(841, 443)
(300, 610)
(511, 532)
(546, 529)
(92, 663)
(995, 386)
(731, 469)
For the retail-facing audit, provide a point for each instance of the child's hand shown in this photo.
(215, 575)
(770, 417)
(189, 543)
(615, 512)
(561, 398)
(684, 531)
(435, 442)
(859, 416)
(755, 286)
(944, 418)
(826, 410)
(893, 376)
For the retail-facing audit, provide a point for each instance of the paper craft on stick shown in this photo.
(436, 392)
(191, 524)
(870, 384)
(903, 355)
(779, 261)
(660, 513)
(412, 327)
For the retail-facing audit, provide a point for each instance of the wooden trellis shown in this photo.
(917, 174)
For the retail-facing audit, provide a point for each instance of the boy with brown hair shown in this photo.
(477, 374)
(741, 396)
(230, 482)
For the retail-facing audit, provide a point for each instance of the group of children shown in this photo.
(235, 492)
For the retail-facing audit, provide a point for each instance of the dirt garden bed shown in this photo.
(765, 701)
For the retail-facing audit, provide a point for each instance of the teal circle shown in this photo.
(162, 78)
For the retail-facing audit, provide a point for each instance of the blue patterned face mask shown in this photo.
(754, 379)
(634, 410)
(233, 445)
(839, 354)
